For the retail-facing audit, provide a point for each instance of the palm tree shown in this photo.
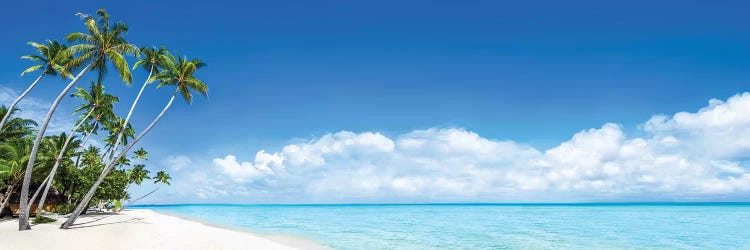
(12, 164)
(151, 61)
(103, 104)
(124, 161)
(91, 156)
(99, 102)
(138, 174)
(10, 171)
(52, 58)
(102, 44)
(162, 177)
(88, 129)
(14, 148)
(58, 144)
(113, 126)
(15, 128)
(141, 154)
(178, 72)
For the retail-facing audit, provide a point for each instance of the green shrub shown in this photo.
(117, 205)
(65, 208)
(41, 220)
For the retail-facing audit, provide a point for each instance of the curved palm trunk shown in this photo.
(130, 113)
(6, 198)
(87, 198)
(23, 216)
(107, 150)
(126, 190)
(57, 162)
(36, 193)
(88, 134)
(15, 102)
(139, 198)
(83, 145)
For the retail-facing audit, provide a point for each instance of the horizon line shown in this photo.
(465, 203)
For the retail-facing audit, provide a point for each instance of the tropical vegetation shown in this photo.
(91, 165)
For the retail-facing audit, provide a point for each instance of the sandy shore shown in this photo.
(139, 229)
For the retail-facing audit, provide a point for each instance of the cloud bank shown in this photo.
(700, 155)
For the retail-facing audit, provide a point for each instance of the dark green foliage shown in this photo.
(76, 169)
(15, 128)
(65, 208)
(42, 220)
(113, 187)
(74, 176)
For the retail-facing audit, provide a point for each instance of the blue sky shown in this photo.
(289, 72)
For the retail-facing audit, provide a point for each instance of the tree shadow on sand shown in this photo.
(85, 224)
(96, 221)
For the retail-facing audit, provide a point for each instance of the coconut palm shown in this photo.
(99, 102)
(15, 128)
(89, 128)
(10, 171)
(12, 165)
(162, 177)
(138, 174)
(96, 100)
(14, 150)
(141, 154)
(178, 72)
(124, 161)
(58, 144)
(91, 156)
(102, 44)
(113, 126)
(53, 58)
(152, 60)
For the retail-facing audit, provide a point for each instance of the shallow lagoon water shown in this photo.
(492, 226)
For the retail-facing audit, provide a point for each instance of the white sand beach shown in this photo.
(139, 229)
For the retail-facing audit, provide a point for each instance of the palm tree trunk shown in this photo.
(6, 198)
(71, 191)
(126, 190)
(87, 198)
(83, 145)
(23, 216)
(57, 162)
(127, 118)
(88, 135)
(107, 150)
(13, 105)
(36, 193)
(139, 198)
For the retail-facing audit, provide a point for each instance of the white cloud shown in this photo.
(265, 164)
(684, 156)
(177, 162)
(720, 130)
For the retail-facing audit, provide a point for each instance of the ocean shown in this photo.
(491, 226)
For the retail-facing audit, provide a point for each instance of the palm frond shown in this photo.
(32, 69)
(33, 58)
(121, 65)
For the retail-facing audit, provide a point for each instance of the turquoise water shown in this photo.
(502, 226)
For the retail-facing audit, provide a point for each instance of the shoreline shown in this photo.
(141, 229)
(294, 241)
